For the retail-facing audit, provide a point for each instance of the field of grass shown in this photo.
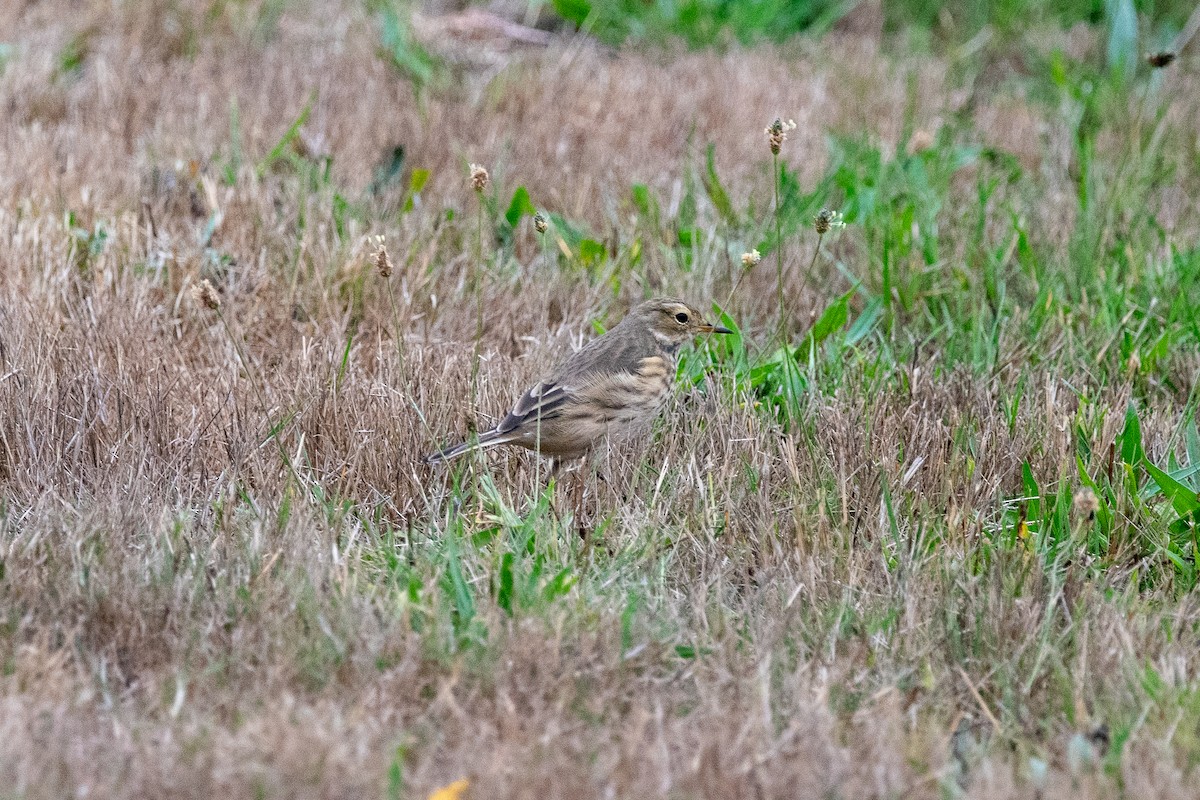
(927, 526)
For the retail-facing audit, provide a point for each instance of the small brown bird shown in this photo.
(616, 381)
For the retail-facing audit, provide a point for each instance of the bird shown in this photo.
(616, 381)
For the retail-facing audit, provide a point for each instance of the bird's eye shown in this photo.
(681, 318)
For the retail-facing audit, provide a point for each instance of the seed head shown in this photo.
(777, 134)
(827, 220)
(479, 178)
(383, 264)
(751, 259)
(206, 295)
(1160, 60)
(1086, 504)
(540, 223)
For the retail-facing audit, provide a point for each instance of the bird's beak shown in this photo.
(709, 328)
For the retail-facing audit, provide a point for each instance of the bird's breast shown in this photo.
(655, 374)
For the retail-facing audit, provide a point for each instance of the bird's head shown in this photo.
(672, 322)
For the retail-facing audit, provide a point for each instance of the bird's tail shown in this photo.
(486, 440)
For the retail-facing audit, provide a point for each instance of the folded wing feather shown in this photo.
(544, 400)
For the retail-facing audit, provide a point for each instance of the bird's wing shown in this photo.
(544, 401)
(601, 360)
(609, 353)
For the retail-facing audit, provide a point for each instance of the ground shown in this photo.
(942, 545)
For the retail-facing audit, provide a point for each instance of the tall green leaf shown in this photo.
(836, 315)
(1183, 498)
(716, 192)
(463, 602)
(1131, 438)
(1122, 49)
(286, 140)
(520, 206)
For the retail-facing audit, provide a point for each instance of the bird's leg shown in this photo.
(598, 471)
(600, 479)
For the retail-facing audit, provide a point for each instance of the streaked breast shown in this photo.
(655, 374)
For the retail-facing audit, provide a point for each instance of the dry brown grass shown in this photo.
(180, 616)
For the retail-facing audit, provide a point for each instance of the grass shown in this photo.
(722, 23)
(939, 543)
